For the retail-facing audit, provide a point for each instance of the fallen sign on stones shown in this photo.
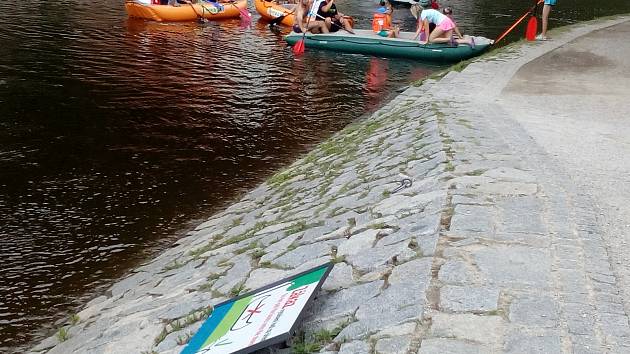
(259, 318)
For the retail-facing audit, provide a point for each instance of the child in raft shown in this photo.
(444, 26)
(448, 11)
(382, 22)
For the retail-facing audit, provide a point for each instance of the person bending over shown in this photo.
(444, 27)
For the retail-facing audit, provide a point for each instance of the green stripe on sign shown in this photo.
(228, 321)
(308, 278)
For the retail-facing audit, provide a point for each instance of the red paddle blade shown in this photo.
(246, 17)
(298, 48)
(532, 28)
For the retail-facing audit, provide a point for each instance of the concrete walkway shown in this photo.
(575, 103)
(558, 251)
(512, 238)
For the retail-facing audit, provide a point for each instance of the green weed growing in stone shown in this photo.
(302, 345)
(201, 250)
(205, 287)
(160, 337)
(247, 234)
(237, 221)
(378, 226)
(324, 335)
(334, 212)
(237, 289)
(295, 228)
(476, 172)
(279, 178)
(224, 263)
(363, 194)
(176, 326)
(246, 248)
(173, 265)
(465, 123)
(62, 334)
(183, 338)
(258, 253)
(74, 319)
(337, 259)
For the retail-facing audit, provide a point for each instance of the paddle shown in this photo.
(298, 48)
(246, 17)
(338, 26)
(532, 25)
(509, 29)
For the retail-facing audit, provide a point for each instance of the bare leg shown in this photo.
(394, 32)
(458, 33)
(328, 24)
(440, 36)
(346, 25)
(463, 41)
(317, 27)
(545, 19)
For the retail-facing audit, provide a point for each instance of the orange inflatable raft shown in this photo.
(270, 10)
(185, 12)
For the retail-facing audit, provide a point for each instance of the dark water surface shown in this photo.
(116, 134)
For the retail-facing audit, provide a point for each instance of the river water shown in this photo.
(117, 135)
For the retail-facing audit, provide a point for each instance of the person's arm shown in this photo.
(423, 25)
(326, 5)
(299, 17)
(418, 30)
(457, 32)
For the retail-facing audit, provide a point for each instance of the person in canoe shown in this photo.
(382, 21)
(444, 26)
(302, 21)
(448, 11)
(417, 8)
(333, 19)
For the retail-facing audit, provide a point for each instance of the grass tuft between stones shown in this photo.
(62, 334)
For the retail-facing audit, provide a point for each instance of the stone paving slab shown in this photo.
(489, 251)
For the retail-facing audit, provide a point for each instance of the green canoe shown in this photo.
(367, 42)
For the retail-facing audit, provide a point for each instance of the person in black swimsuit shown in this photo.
(334, 19)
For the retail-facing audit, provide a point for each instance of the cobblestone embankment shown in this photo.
(490, 250)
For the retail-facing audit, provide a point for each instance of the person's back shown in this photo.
(433, 16)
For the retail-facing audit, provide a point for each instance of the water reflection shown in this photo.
(116, 133)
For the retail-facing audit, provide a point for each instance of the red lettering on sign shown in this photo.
(295, 295)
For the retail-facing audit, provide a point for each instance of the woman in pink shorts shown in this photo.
(444, 26)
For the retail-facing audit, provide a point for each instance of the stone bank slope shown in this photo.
(337, 203)
(490, 249)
